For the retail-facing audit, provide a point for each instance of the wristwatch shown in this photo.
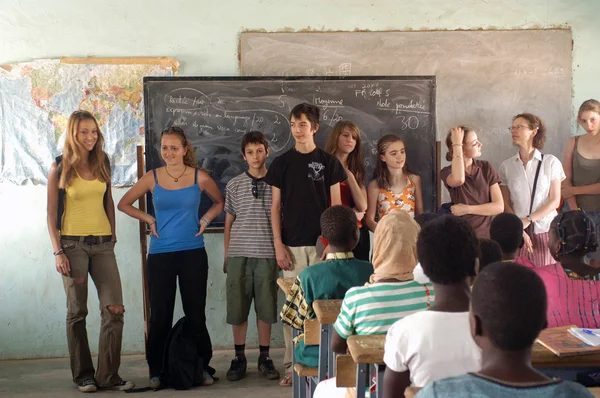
(529, 218)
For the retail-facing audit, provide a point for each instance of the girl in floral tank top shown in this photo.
(388, 201)
(394, 186)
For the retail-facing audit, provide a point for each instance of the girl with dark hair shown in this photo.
(472, 183)
(81, 223)
(176, 246)
(531, 186)
(345, 143)
(394, 186)
(581, 188)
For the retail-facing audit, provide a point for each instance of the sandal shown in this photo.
(286, 381)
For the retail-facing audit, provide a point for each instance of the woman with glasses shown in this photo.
(473, 184)
(176, 245)
(81, 223)
(531, 186)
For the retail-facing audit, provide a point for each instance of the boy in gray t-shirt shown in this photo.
(250, 262)
(508, 311)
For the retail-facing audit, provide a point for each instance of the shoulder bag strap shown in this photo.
(537, 174)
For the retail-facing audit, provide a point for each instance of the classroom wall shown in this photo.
(203, 37)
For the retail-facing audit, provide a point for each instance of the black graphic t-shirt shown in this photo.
(304, 180)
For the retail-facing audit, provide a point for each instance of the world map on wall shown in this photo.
(36, 99)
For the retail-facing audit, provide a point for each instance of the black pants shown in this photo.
(361, 251)
(191, 267)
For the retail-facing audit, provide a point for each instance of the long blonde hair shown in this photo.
(71, 156)
(355, 158)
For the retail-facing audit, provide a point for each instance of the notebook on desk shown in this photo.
(562, 343)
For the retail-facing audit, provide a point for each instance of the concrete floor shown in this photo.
(51, 378)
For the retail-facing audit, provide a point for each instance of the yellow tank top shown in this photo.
(84, 209)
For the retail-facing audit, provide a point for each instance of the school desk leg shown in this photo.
(313, 386)
(302, 387)
(297, 388)
(331, 355)
(380, 372)
(323, 352)
(361, 379)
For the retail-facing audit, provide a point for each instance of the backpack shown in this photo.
(62, 192)
(183, 367)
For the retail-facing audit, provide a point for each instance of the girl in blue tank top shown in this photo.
(176, 251)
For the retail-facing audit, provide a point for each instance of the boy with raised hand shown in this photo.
(305, 181)
(508, 311)
(250, 257)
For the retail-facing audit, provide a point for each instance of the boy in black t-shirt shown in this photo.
(305, 181)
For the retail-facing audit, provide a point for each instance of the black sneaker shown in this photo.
(237, 370)
(267, 368)
(88, 385)
(120, 386)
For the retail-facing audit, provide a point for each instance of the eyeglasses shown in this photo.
(255, 188)
(518, 127)
(175, 129)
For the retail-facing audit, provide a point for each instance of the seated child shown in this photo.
(508, 311)
(434, 344)
(490, 252)
(507, 230)
(570, 238)
(391, 294)
(328, 280)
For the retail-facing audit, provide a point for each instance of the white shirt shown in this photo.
(419, 274)
(432, 345)
(519, 181)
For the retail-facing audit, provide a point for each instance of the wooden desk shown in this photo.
(541, 357)
(595, 391)
(367, 351)
(327, 312)
(285, 284)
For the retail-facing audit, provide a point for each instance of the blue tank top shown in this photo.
(177, 222)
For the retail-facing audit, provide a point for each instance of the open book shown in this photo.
(588, 336)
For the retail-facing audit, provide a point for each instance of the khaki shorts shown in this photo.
(247, 279)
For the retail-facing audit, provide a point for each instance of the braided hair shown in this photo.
(576, 232)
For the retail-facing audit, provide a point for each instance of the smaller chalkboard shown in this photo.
(216, 112)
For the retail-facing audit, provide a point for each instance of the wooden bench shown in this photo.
(366, 351)
(326, 312)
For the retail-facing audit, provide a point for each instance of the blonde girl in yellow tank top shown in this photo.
(394, 187)
(81, 224)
